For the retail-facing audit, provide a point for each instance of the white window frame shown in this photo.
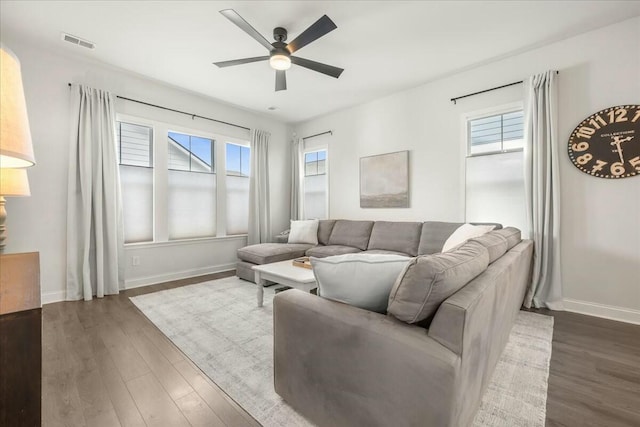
(314, 149)
(479, 114)
(465, 139)
(160, 166)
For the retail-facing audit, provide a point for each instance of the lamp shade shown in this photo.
(16, 150)
(14, 182)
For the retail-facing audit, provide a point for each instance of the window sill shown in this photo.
(182, 242)
(490, 153)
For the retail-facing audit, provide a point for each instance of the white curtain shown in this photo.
(297, 175)
(259, 216)
(542, 185)
(94, 212)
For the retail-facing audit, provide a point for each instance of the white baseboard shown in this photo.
(620, 314)
(184, 274)
(57, 296)
(51, 297)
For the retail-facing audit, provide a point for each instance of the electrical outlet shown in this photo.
(135, 260)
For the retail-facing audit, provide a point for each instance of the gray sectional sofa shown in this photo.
(339, 365)
(338, 237)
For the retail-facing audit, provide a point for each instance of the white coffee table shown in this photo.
(285, 273)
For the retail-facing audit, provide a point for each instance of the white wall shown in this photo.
(38, 223)
(600, 218)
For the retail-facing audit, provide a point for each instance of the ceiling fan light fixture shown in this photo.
(280, 61)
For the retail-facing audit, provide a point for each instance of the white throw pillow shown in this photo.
(464, 233)
(304, 232)
(361, 280)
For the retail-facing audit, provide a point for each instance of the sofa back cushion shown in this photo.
(324, 230)
(512, 234)
(428, 280)
(464, 233)
(434, 234)
(361, 280)
(495, 243)
(351, 233)
(396, 236)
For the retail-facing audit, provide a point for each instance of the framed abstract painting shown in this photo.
(384, 180)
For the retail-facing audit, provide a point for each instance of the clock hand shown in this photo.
(617, 140)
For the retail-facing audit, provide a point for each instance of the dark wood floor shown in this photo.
(594, 377)
(105, 364)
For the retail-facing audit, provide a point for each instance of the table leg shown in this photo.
(260, 283)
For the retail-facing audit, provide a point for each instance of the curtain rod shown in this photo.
(318, 134)
(488, 90)
(193, 116)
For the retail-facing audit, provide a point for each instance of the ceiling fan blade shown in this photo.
(222, 64)
(281, 80)
(234, 17)
(318, 29)
(329, 70)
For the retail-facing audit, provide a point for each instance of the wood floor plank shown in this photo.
(123, 404)
(61, 402)
(198, 412)
(127, 360)
(164, 371)
(213, 396)
(155, 405)
(166, 347)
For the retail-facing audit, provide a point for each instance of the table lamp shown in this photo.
(16, 150)
(13, 182)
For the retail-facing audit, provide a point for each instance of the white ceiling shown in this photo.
(384, 46)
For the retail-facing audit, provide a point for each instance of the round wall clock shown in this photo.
(607, 143)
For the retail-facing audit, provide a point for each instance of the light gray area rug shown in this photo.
(219, 327)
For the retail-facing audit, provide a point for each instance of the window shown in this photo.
(315, 184)
(135, 157)
(496, 133)
(237, 167)
(494, 187)
(315, 163)
(181, 183)
(191, 189)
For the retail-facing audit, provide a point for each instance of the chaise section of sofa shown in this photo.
(266, 253)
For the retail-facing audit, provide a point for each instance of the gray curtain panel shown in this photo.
(297, 199)
(95, 236)
(542, 186)
(259, 211)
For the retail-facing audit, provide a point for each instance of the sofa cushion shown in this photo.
(331, 250)
(351, 233)
(464, 233)
(434, 234)
(362, 280)
(324, 230)
(512, 234)
(495, 243)
(428, 280)
(386, 252)
(304, 231)
(266, 253)
(396, 236)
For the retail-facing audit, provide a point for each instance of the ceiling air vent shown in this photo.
(78, 41)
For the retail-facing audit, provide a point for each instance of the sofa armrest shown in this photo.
(282, 237)
(340, 365)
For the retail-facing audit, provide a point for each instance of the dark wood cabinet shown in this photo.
(20, 340)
